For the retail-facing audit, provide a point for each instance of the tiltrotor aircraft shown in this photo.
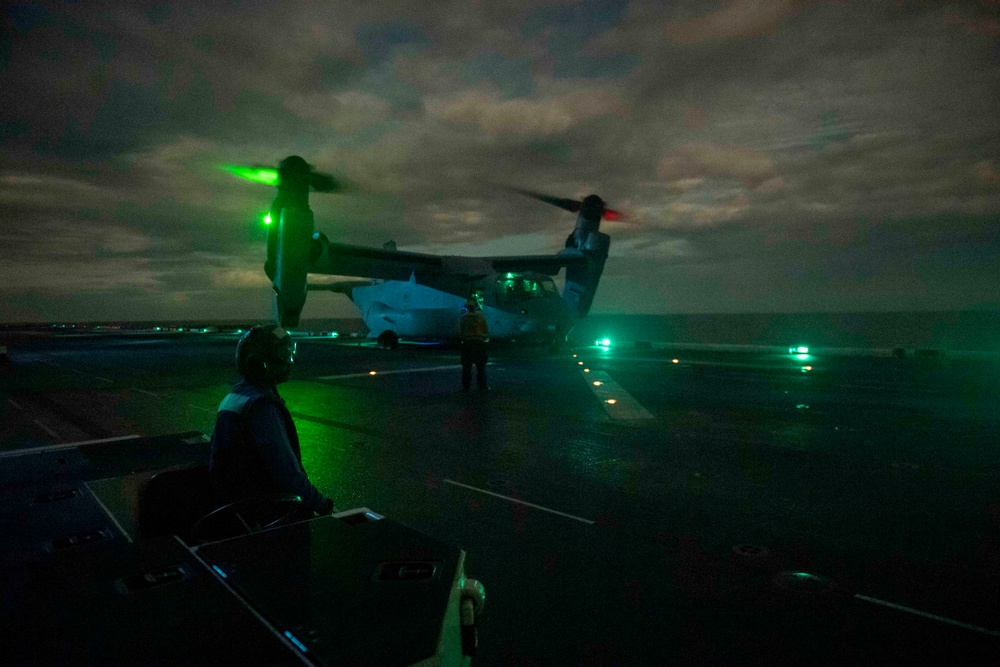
(421, 296)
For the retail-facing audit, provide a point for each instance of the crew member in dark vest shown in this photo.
(255, 447)
(474, 333)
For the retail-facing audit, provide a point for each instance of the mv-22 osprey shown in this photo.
(421, 296)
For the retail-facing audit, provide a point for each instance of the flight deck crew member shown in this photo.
(255, 447)
(474, 333)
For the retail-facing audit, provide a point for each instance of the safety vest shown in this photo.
(236, 467)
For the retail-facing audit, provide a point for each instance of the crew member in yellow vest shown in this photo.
(475, 334)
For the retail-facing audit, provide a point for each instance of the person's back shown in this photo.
(474, 333)
(473, 327)
(255, 446)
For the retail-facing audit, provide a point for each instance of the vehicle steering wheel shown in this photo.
(230, 519)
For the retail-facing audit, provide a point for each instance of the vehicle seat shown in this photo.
(173, 500)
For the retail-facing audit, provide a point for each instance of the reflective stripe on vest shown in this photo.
(234, 403)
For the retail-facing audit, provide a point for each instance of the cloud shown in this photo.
(242, 277)
(524, 118)
(736, 19)
(52, 191)
(115, 122)
(667, 249)
(343, 112)
(987, 172)
(682, 167)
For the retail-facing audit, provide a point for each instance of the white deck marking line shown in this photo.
(37, 423)
(103, 379)
(377, 372)
(47, 429)
(198, 407)
(933, 617)
(148, 393)
(520, 502)
(65, 445)
(625, 407)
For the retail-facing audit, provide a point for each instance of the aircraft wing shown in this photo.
(547, 264)
(346, 260)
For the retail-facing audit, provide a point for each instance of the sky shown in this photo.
(772, 155)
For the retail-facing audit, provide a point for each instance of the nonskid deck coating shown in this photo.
(845, 472)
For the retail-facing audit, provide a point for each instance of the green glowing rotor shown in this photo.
(263, 175)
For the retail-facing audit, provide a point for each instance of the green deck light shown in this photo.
(267, 218)
(605, 342)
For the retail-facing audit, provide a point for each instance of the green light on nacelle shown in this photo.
(604, 342)
(801, 349)
(267, 218)
(255, 174)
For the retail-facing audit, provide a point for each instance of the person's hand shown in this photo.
(327, 508)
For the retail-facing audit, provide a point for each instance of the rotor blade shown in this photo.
(256, 174)
(318, 181)
(321, 182)
(570, 205)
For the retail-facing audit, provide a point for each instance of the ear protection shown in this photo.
(254, 367)
(255, 349)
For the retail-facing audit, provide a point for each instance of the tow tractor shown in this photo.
(113, 554)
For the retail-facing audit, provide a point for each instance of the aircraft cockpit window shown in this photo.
(513, 287)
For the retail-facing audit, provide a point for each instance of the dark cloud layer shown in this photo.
(775, 156)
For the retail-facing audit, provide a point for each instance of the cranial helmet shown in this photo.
(265, 353)
(471, 304)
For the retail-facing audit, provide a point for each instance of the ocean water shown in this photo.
(967, 331)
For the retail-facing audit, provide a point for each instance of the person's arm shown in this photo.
(268, 430)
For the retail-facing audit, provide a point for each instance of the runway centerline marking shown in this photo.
(618, 403)
(520, 502)
(397, 372)
(933, 617)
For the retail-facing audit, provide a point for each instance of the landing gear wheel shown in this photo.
(388, 340)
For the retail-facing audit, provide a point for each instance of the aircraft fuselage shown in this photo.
(523, 306)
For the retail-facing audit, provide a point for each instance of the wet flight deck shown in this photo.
(635, 504)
